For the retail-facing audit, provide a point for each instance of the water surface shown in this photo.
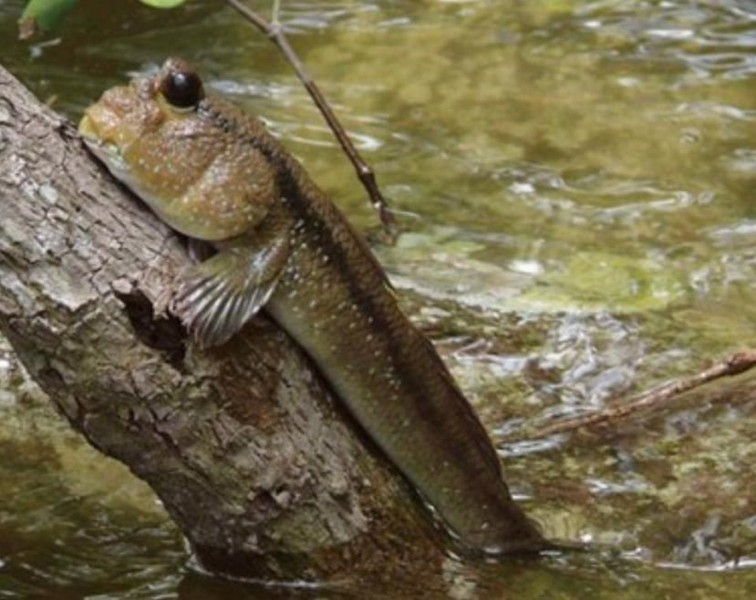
(575, 181)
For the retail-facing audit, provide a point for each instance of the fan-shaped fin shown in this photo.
(218, 296)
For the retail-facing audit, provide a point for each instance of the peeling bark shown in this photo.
(243, 444)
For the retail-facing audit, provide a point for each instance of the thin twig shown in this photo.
(274, 31)
(275, 12)
(738, 363)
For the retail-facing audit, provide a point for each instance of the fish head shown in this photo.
(182, 152)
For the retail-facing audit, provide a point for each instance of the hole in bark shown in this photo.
(165, 334)
(52, 377)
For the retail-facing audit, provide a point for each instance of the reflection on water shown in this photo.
(576, 183)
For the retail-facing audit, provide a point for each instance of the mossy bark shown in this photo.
(250, 455)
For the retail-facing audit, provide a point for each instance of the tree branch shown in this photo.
(242, 444)
(651, 400)
(274, 31)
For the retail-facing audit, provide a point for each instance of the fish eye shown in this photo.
(182, 88)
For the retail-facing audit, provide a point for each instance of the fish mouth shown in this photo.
(105, 151)
(110, 155)
(89, 131)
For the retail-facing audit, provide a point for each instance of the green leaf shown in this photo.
(42, 14)
(162, 3)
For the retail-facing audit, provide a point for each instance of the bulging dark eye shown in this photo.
(182, 88)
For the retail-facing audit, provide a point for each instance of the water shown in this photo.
(576, 184)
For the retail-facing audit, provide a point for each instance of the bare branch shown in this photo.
(274, 31)
(654, 399)
(241, 443)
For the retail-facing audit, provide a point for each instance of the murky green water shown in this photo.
(577, 185)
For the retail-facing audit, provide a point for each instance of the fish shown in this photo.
(216, 174)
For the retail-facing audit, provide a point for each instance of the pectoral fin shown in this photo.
(218, 296)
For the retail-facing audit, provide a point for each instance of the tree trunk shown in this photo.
(250, 455)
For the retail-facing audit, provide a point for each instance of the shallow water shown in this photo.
(575, 181)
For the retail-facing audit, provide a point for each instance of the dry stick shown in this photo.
(738, 363)
(366, 175)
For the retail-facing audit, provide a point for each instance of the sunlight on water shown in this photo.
(576, 184)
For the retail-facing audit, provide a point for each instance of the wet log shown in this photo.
(249, 453)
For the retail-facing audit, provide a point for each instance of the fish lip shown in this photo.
(106, 152)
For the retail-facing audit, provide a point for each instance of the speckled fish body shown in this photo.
(215, 173)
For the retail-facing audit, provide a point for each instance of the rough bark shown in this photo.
(244, 446)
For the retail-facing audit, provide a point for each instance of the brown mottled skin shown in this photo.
(215, 173)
